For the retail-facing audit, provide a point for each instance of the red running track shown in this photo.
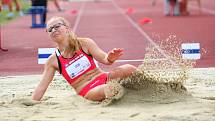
(107, 23)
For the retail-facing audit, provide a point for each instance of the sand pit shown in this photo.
(60, 103)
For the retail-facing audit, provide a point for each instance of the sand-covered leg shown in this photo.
(114, 91)
(137, 80)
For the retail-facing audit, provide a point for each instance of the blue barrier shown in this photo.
(37, 10)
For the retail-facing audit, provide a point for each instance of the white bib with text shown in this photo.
(78, 67)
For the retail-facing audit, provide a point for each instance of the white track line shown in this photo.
(143, 33)
(77, 21)
(135, 60)
(141, 60)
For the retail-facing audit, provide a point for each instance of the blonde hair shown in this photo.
(74, 44)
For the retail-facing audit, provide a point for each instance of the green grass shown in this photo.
(3, 14)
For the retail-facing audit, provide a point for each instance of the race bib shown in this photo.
(78, 67)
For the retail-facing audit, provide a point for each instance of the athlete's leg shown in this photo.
(101, 92)
(97, 93)
(18, 6)
(0, 6)
(105, 91)
(122, 71)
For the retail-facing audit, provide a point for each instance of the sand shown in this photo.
(194, 100)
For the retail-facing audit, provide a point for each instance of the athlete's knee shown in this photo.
(114, 90)
(130, 68)
(96, 94)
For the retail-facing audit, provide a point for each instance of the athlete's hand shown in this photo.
(114, 54)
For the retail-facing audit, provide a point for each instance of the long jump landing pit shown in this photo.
(63, 104)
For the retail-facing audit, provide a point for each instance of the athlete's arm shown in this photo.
(47, 77)
(100, 55)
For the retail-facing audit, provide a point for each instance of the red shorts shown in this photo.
(100, 80)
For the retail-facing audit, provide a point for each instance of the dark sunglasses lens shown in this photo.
(50, 29)
(54, 27)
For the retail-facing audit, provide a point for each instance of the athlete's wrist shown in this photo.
(109, 60)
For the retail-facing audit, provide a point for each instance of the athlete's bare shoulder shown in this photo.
(86, 44)
(85, 40)
(52, 61)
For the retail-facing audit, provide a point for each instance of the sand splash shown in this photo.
(160, 78)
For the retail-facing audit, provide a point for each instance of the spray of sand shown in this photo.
(158, 79)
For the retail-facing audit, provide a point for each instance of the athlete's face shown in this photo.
(56, 29)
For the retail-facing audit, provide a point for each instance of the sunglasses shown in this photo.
(56, 26)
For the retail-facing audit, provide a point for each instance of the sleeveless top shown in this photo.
(74, 67)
